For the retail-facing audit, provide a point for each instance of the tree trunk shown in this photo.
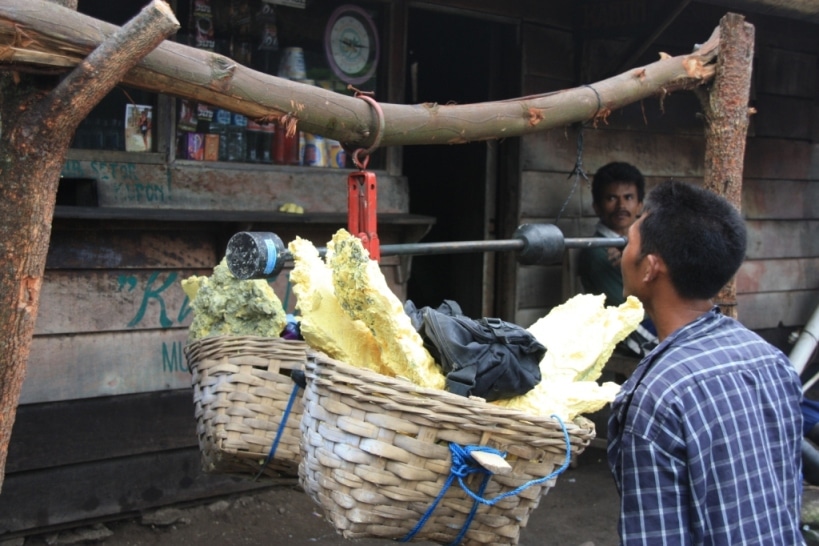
(727, 115)
(37, 130)
(60, 38)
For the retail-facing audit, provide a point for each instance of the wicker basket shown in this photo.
(241, 392)
(376, 456)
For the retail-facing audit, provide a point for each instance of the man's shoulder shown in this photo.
(716, 346)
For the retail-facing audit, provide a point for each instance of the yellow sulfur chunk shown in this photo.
(349, 312)
(223, 304)
(324, 324)
(579, 337)
(363, 292)
(581, 334)
(190, 286)
(292, 207)
(566, 400)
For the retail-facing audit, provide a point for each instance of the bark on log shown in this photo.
(37, 131)
(58, 37)
(727, 116)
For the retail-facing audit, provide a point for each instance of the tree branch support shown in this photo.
(727, 116)
(38, 129)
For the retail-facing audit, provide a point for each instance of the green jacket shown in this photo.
(599, 269)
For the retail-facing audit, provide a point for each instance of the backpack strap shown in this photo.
(500, 329)
(462, 380)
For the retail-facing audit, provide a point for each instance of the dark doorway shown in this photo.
(454, 59)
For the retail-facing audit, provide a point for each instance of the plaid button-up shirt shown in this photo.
(705, 441)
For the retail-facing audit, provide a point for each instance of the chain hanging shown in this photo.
(578, 171)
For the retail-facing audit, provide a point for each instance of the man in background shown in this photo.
(618, 190)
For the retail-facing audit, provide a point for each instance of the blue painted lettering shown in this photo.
(139, 192)
(172, 358)
(185, 310)
(151, 293)
(72, 169)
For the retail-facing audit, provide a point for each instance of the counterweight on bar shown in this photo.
(257, 255)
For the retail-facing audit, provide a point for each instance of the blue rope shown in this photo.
(464, 465)
(280, 431)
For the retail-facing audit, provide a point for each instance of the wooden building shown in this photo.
(105, 425)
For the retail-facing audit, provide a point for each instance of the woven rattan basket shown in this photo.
(376, 456)
(245, 402)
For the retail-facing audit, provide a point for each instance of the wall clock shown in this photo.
(351, 44)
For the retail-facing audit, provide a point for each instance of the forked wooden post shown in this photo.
(37, 132)
(727, 116)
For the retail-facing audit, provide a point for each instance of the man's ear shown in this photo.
(654, 267)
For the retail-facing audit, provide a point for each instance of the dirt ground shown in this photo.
(580, 510)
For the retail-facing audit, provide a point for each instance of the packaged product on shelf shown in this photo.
(268, 34)
(267, 37)
(240, 14)
(266, 142)
(203, 35)
(254, 141)
(292, 64)
(218, 126)
(138, 122)
(195, 146)
(236, 138)
(336, 156)
(302, 146)
(212, 143)
(204, 117)
(187, 115)
(286, 148)
(315, 151)
(241, 19)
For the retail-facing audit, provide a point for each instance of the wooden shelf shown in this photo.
(228, 216)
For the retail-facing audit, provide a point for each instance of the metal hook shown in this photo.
(379, 133)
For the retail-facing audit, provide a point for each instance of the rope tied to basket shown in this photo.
(282, 424)
(463, 465)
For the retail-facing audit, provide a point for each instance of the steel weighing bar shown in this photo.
(258, 255)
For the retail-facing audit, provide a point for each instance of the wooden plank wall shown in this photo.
(106, 424)
(112, 321)
(778, 286)
(121, 181)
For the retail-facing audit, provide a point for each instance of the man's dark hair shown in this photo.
(699, 234)
(617, 171)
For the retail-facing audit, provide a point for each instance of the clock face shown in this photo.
(351, 44)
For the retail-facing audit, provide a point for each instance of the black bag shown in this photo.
(487, 357)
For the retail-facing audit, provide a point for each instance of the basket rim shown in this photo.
(205, 347)
(580, 426)
(217, 347)
(236, 338)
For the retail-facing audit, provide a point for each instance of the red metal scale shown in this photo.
(362, 205)
(362, 202)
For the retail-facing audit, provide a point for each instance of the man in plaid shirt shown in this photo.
(705, 436)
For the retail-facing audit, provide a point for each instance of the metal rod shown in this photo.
(588, 242)
(464, 247)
